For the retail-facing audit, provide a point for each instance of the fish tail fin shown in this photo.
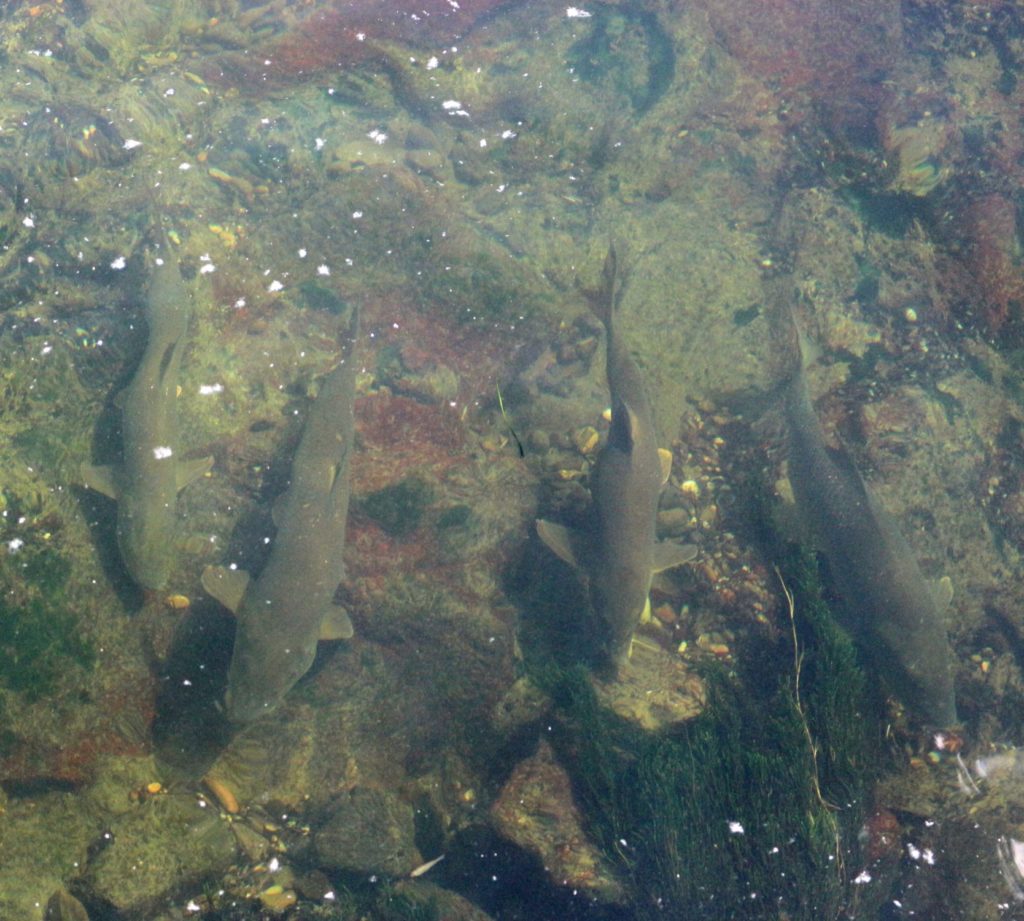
(350, 333)
(604, 300)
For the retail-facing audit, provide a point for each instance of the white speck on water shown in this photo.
(169, 91)
(323, 270)
(862, 878)
(302, 253)
(162, 452)
(239, 304)
(207, 268)
(131, 144)
(13, 546)
(432, 63)
(360, 36)
(356, 215)
(320, 143)
(275, 285)
(28, 221)
(576, 13)
(46, 349)
(735, 828)
(206, 390)
(377, 136)
(483, 142)
(184, 166)
(451, 105)
(118, 263)
(507, 134)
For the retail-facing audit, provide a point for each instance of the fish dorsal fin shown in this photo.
(668, 554)
(191, 470)
(226, 585)
(336, 624)
(942, 592)
(103, 479)
(568, 544)
(623, 427)
(665, 458)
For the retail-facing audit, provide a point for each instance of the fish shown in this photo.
(284, 612)
(894, 613)
(146, 484)
(620, 552)
(63, 906)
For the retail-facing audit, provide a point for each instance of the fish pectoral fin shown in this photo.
(942, 592)
(191, 470)
(103, 479)
(665, 457)
(226, 585)
(336, 624)
(569, 545)
(668, 554)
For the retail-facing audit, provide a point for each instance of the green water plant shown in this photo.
(751, 809)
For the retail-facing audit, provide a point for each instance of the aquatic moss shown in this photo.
(45, 569)
(399, 508)
(748, 810)
(38, 640)
(476, 285)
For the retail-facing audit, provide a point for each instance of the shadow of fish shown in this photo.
(892, 610)
(288, 608)
(621, 553)
(147, 482)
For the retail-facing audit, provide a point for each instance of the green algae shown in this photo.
(39, 632)
(751, 809)
(38, 640)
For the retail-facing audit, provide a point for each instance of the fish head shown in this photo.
(261, 674)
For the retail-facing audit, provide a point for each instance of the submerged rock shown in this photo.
(536, 811)
(167, 845)
(369, 831)
(423, 897)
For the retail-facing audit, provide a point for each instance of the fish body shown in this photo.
(288, 608)
(895, 613)
(621, 552)
(147, 482)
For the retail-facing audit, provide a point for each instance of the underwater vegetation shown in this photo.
(750, 809)
(39, 633)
